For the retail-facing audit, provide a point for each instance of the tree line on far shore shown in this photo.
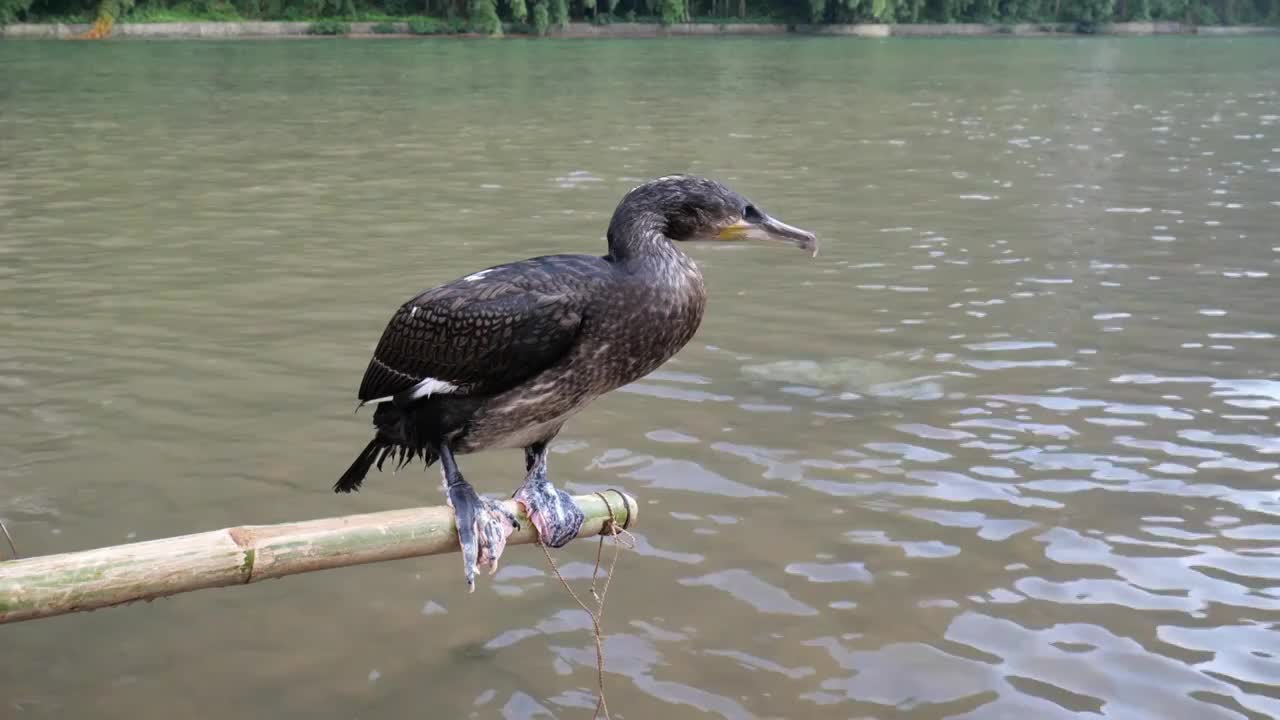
(489, 16)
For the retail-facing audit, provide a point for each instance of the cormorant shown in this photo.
(503, 357)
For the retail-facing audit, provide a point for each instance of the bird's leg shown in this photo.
(553, 512)
(483, 524)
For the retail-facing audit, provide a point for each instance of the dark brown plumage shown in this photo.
(504, 356)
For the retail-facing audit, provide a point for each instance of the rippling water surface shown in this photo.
(1008, 448)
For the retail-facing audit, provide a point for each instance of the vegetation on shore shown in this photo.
(428, 17)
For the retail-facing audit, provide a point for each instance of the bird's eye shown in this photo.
(751, 214)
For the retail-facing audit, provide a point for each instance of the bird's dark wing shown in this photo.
(484, 333)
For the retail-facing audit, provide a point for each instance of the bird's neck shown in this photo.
(637, 236)
(638, 248)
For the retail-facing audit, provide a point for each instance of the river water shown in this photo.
(1008, 448)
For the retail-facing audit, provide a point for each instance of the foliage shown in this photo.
(150, 13)
(434, 26)
(541, 20)
(484, 17)
(1091, 12)
(559, 11)
(673, 11)
(329, 26)
(541, 16)
(1204, 15)
(10, 10)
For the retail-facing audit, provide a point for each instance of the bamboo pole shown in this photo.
(52, 585)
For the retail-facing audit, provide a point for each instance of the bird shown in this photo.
(503, 357)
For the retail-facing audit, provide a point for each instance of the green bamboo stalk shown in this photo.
(41, 587)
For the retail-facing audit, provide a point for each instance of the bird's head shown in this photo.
(686, 208)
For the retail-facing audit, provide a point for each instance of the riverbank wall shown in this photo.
(262, 30)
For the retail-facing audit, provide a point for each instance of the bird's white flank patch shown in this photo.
(477, 275)
(426, 388)
(429, 387)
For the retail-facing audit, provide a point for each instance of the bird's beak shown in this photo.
(773, 229)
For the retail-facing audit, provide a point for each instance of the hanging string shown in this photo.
(12, 549)
(618, 535)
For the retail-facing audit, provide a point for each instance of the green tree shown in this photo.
(541, 21)
(560, 13)
(11, 9)
(483, 15)
(487, 16)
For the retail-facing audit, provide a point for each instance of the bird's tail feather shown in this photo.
(377, 452)
(351, 479)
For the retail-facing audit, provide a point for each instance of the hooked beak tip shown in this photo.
(802, 239)
(810, 243)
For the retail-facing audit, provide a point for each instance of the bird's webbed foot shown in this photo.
(483, 527)
(552, 511)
